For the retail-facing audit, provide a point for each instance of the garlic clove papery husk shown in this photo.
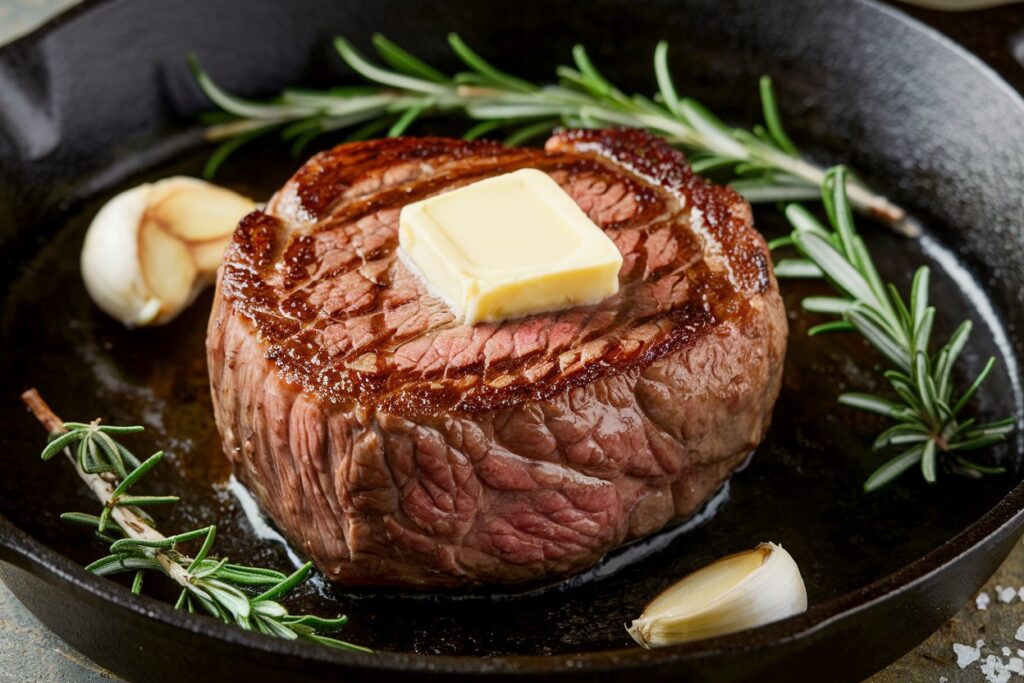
(732, 594)
(151, 249)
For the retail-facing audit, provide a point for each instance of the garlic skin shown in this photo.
(151, 249)
(732, 594)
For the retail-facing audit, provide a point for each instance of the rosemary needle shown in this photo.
(238, 594)
(926, 408)
(764, 163)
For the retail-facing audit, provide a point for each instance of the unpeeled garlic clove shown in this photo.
(734, 593)
(151, 249)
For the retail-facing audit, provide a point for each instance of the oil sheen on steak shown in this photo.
(396, 446)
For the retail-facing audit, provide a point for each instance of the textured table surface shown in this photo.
(30, 652)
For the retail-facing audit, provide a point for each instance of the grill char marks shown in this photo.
(397, 446)
(726, 216)
(348, 321)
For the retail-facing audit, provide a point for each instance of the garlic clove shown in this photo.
(110, 260)
(734, 593)
(197, 211)
(166, 266)
(151, 250)
(207, 257)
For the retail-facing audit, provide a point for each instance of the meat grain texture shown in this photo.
(396, 446)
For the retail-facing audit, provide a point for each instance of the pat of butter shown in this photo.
(507, 247)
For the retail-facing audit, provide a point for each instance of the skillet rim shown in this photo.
(1005, 518)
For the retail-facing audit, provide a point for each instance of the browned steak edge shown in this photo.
(539, 488)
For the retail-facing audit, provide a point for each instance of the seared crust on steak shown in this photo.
(397, 446)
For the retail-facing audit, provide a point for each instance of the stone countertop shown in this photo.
(30, 652)
(997, 625)
(18, 17)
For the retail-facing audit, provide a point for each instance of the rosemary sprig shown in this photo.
(239, 594)
(926, 412)
(764, 163)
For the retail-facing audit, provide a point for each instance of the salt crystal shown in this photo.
(1019, 635)
(995, 671)
(1016, 665)
(1020, 653)
(1006, 652)
(1006, 594)
(943, 679)
(981, 602)
(966, 655)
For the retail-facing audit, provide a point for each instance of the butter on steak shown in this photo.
(395, 446)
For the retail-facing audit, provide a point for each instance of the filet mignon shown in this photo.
(397, 446)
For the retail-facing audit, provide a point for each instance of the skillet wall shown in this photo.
(920, 124)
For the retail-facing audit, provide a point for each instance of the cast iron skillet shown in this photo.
(100, 99)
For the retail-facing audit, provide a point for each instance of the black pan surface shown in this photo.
(101, 101)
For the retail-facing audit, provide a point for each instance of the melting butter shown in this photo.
(508, 247)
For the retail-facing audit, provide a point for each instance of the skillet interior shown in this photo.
(948, 160)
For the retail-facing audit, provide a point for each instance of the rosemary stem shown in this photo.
(102, 486)
(223, 131)
(223, 590)
(865, 201)
(766, 165)
(925, 418)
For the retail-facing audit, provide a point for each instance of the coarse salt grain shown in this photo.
(995, 671)
(966, 655)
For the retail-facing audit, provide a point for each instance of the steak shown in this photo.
(396, 446)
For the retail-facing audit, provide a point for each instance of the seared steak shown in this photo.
(397, 446)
